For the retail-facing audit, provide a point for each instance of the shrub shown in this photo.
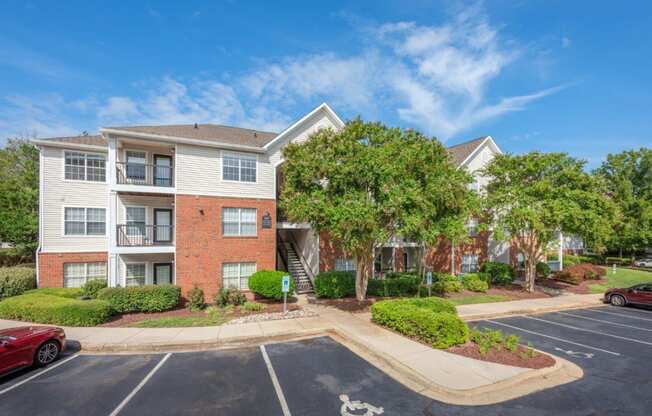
(335, 284)
(475, 283)
(268, 284)
(230, 296)
(579, 272)
(543, 270)
(196, 299)
(433, 304)
(149, 298)
(501, 273)
(10, 257)
(56, 310)
(93, 287)
(488, 339)
(570, 260)
(446, 283)
(565, 276)
(439, 329)
(16, 280)
(403, 285)
(252, 306)
(62, 292)
(398, 275)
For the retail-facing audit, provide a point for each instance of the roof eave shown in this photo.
(68, 145)
(182, 140)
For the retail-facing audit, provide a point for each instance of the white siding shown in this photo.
(149, 260)
(482, 157)
(149, 202)
(59, 193)
(199, 172)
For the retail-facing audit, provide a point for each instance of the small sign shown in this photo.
(286, 284)
(429, 278)
(267, 220)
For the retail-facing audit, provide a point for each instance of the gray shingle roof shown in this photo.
(208, 132)
(461, 151)
(90, 140)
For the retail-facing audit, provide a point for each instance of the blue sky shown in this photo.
(536, 75)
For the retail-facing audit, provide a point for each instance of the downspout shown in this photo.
(560, 255)
(40, 214)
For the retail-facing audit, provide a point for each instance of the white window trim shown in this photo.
(106, 268)
(239, 222)
(239, 263)
(347, 262)
(124, 274)
(63, 222)
(477, 262)
(106, 167)
(240, 155)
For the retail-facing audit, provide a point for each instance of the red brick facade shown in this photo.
(51, 265)
(201, 248)
(328, 253)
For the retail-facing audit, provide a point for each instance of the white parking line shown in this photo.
(624, 315)
(49, 368)
(589, 330)
(555, 338)
(140, 385)
(277, 385)
(606, 322)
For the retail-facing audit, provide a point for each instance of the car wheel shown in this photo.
(617, 300)
(46, 353)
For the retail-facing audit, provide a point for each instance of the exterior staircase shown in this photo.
(298, 273)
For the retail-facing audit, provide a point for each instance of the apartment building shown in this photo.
(197, 205)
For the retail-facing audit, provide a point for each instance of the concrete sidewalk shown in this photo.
(519, 307)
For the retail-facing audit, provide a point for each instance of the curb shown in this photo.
(480, 317)
(526, 383)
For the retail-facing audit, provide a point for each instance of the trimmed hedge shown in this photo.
(12, 257)
(62, 292)
(149, 298)
(268, 284)
(335, 284)
(501, 273)
(439, 329)
(475, 283)
(56, 310)
(398, 285)
(93, 287)
(15, 281)
(580, 272)
(446, 283)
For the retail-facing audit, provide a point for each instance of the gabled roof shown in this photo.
(88, 140)
(462, 151)
(206, 132)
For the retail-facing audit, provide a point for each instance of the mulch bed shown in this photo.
(347, 304)
(127, 319)
(581, 289)
(504, 356)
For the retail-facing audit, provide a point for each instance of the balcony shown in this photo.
(144, 174)
(141, 235)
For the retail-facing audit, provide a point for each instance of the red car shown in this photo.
(640, 294)
(30, 345)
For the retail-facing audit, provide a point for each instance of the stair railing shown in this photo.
(303, 261)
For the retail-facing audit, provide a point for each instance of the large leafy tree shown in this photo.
(19, 187)
(533, 196)
(368, 182)
(628, 176)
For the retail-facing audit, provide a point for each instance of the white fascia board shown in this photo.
(182, 140)
(66, 145)
(488, 140)
(322, 107)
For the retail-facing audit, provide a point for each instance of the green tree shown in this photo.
(19, 187)
(367, 183)
(533, 196)
(628, 176)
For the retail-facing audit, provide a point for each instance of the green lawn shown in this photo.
(178, 322)
(469, 300)
(622, 278)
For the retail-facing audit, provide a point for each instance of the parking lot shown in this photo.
(321, 377)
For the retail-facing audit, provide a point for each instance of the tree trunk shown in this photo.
(361, 277)
(530, 272)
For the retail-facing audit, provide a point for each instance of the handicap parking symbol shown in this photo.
(349, 406)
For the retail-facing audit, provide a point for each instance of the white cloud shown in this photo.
(40, 116)
(432, 77)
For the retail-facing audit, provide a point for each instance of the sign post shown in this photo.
(429, 282)
(286, 289)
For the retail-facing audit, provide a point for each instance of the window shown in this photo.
(76, 274)
(136, 165)
(520, 261)
(344, 265)
(236, 275)
(239, 221)
(85, 167)
(239, 168)
(135, 220)
(469, 263)
(472, 227)
(136, 274)
(84, 221)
